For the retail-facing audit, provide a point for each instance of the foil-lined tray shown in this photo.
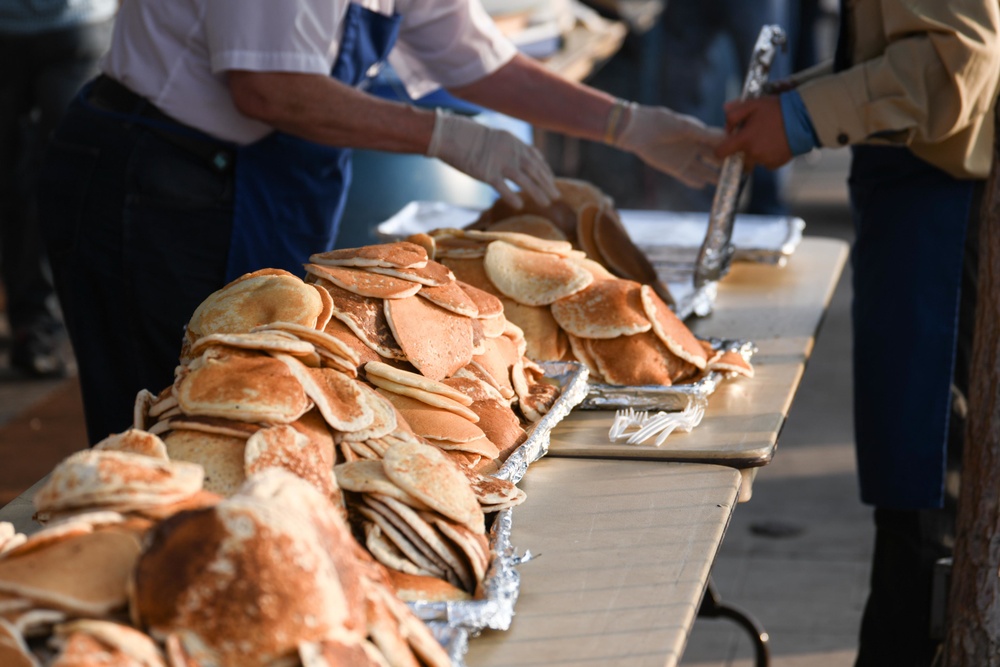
(453, 623)
(669, 398)
(671, 241)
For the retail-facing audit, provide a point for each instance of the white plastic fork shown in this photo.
(660, 425)
(626, 419)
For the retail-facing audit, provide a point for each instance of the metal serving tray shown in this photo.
(453, 623)
(670, 240)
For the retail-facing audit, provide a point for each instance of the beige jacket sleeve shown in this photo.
(925, 75)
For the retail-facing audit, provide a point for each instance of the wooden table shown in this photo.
(624, 549)
(628, 545)
(780, 310)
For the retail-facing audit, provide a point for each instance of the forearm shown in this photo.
(526, 90)
(325, 111)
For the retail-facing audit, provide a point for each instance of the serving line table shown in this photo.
(780, 311)
(622, 553)
(627, 534)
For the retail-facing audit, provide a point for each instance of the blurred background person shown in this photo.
(911, 90)
(48, 49)
(707, 46)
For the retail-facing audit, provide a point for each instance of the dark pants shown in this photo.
(39, 75)
(895, 627)
(138, 230)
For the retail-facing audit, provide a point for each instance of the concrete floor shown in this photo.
(795, 556)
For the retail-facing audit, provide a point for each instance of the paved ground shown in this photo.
(796, 555)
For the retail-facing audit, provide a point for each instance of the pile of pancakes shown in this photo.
(284, 386)
(586, 217)
(143, 568)
(570, 307)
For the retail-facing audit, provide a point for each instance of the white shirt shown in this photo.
(175, 53)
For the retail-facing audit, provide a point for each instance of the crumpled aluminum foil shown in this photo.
(454, 622)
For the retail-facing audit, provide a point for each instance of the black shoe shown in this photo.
(36, 354)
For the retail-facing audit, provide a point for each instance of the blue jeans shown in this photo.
(707, 46)
(137, 229)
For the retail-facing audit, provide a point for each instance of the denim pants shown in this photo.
(137, 229)
(39, 75)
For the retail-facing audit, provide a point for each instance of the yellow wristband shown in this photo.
(613, 126)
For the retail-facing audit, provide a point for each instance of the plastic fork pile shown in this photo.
(636, 427)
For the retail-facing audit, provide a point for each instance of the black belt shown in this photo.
(107, 93)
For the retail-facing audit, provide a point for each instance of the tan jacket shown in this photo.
(925, 75)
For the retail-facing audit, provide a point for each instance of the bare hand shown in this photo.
(757, 130)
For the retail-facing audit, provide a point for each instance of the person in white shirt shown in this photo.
(217, 142)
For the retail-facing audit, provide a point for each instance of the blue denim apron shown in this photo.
(910, 221)
(290, 192)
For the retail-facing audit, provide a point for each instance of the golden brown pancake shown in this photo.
(671, 330)
(530, 224)
(402, 254)
(257, 298)
(530, 277)
(241, 385)
(436, 356)
(603, 309)
(366, 318)
(364, 283)
(451, 297)
(635, 360)
(433, 274)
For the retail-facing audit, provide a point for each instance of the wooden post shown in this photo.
(973, 630)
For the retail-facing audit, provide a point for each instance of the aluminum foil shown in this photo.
(454, 622)
(717, 250)
(670, 240)
(659, 397)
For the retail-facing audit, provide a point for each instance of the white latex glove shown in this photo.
(678, 145)
(492, 156)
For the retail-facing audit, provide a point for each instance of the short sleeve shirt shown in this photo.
(176, 53)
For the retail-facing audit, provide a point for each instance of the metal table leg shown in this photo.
(712, 606)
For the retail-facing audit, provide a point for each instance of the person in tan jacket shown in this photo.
(911, 91)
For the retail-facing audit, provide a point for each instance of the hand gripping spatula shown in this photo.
(716, 250)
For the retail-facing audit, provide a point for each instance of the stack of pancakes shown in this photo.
(585, 217)
(65, 588)
(138, 566)
(570, 307)
(420, 517)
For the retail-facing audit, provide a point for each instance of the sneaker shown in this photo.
(36, 354)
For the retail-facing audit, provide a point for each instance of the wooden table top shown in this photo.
(780, 310)
(624, 550)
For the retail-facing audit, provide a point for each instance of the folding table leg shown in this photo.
(712, 606)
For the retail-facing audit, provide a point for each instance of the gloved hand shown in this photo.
(492, 156)
(678, 145)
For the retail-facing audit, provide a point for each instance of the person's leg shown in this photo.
(896, 621)
(138, 233)
(906, 315)
(60, 63)
(25, 285)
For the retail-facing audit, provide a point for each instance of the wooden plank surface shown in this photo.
(623, 552)
(780, 310)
